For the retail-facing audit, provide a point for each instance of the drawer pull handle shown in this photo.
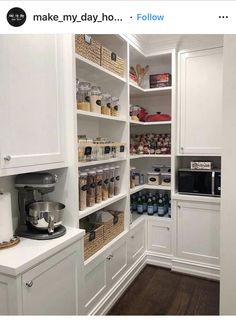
(7, 158)
(179, 206)
(109, 257)
(29, 284)
(168, 228)
(132, 236)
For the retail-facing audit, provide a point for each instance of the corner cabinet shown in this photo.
(31, 101)
(200, 102)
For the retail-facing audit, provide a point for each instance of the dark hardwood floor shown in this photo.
(158, 291)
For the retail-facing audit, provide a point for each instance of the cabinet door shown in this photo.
(51, 288)
(136, 242)
(200, 102)
(31, 100)
(198, 231)
(159, 235)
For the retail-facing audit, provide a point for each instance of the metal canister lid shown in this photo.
(153, 173)
(83, 174)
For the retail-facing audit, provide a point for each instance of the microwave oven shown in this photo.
(200, 182)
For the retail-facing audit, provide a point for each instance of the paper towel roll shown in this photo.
(6, 229)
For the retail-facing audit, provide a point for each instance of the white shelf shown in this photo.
(101, 205)
(138, 217)
(150, 156)
(90, 70)
(147, 186)
(135, 90)
(85, 114)
(133, 122)
(100, 162)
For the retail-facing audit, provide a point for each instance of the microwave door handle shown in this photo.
(213, 183)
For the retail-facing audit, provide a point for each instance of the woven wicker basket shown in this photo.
(112, 62)
(113, 227)
(93, 241)
(87, 47)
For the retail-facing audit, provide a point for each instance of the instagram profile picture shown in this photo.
(16, 17)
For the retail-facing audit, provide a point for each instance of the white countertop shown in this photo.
(28, 253)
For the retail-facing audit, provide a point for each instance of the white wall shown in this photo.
(228, 203)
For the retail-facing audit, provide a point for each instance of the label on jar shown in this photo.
(152, 179)
(109, 105)
(112, 179)
(87, 98)
(106, 181)
(93, 185)
(122, 148)
(116, 108)
(107, 149)
(99, 183)
(88, 150)
(140, 209)
(84, 187)
(161, 210)
(150, 209)
(98, 102)
(117, 178)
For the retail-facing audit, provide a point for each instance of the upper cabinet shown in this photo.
(31, 102)
(200, 102)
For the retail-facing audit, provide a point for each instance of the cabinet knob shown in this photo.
(29, 284)
(132, 236)
(168, 228)
(179, 206)
(109, 257)
(7, 158)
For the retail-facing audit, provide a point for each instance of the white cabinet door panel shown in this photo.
(136, 242)
(159, 235)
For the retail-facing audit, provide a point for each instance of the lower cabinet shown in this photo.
(136, 242)
(198, 231)
(159, 234)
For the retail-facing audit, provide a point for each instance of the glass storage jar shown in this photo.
(99, 178)
(91, 188)
(105, 185)
(111, 182)
(132, 177)
(83, 191)
(95, 99)
(115, 106)
(117, 180)
(83, 100)
(106, 104)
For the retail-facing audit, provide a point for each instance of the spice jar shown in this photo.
(95, 100)
(111, 190)
(117, 180)
(83, 191)
(83, 101)
(105, 185)
(106, 104)
(91, 188)
(132, 177)
(115, 106)
(98, 180)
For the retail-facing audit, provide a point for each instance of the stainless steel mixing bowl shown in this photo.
(46, 215)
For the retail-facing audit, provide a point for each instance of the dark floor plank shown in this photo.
(158, 291)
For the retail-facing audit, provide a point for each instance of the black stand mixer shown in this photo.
(40, 220)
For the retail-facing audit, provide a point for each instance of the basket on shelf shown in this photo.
(112, 62)
(113, 227)
(93, 241)
(88, 48)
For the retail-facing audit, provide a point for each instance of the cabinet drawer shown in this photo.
(159, 235)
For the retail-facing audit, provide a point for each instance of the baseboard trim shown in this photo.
(158, 259)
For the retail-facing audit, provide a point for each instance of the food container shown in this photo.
(91, 188)
(83, 191)
(201, 165)
(111, 61)
(106, 151)
(83, 93)
(166, 179)
(121, 150)
(98, 181)
(153, 178)
(160, 80)
(111, 190)
(106, 104)
(105, 185)
(88, 47)
(137, 178)
(132, 177)
(117, 180)
(115, 106)
(95, 100)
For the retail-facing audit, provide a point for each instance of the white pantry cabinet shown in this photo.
(159, 235)
(31, 101)
(136, 242)
(198, 231)
(200, 102)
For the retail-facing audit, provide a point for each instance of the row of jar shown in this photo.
(151, 178)
(90, 98)
(97, 185)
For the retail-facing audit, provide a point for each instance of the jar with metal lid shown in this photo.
(83, 100)
(99, 178)
(91, 188)
(115, 106)
(153, 178)
(106, 104)
(117, 180)
(132, 177)
(105, 184)
(83, 191)
(95, 99)
(111, 190)
(136, 178)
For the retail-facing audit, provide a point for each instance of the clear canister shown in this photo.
(83, 191)
(91, 188)
(111, 190)
(99, 179)
(106, 104)
(117, 180)
(105, 185)
(83, 100)
(115, 106)
(132, 177)
(95, 100)
(107, 150)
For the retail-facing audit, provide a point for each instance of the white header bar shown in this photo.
(156, 17)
